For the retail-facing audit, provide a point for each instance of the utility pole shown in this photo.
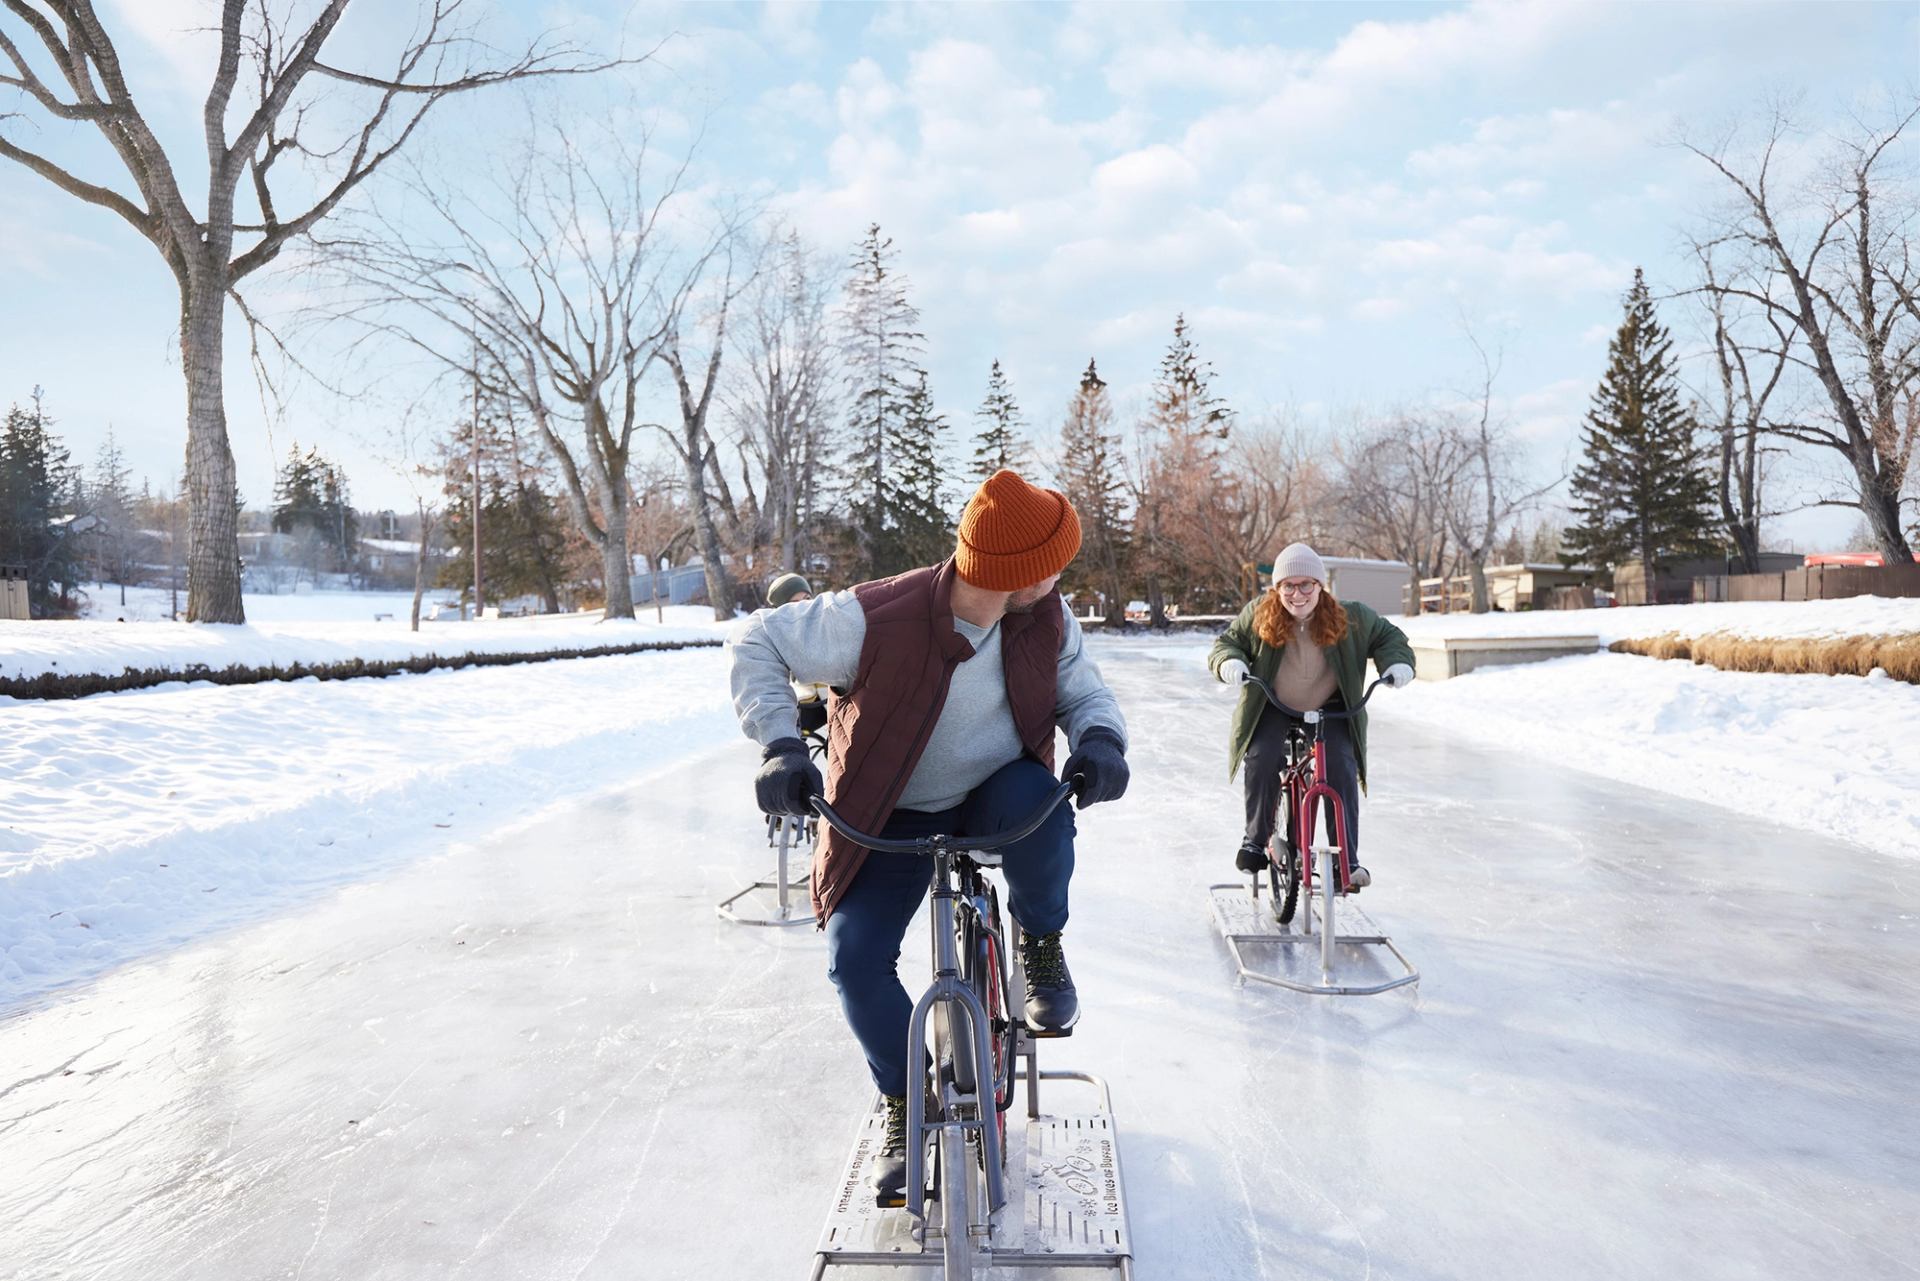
(479, 599)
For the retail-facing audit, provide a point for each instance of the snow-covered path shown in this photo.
(1649, 1041)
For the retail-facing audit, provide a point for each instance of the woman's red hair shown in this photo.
(1325, 626)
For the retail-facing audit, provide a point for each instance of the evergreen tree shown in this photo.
(524, 532)
(1642, 489)
(114, 542)
(998, 443)
(1090, 476)
(920, 531)
(879, 346)
(310, 498)
(1186, 429)
(38, 486)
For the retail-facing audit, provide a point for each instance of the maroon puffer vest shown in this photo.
(879, 727)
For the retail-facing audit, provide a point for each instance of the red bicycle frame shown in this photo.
(1301, 796)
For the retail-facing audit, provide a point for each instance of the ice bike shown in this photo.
(958, 1211)
(793, 838)
(1291, 854)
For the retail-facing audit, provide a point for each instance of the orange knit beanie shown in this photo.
(1014, 535)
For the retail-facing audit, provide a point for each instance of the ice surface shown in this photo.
(1651, 1039)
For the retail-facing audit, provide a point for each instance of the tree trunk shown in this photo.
(420, 566)
(1880, 503)
(213, 521)
(616, 564)
(1413, 589)
(1477, 576)
(719, 588)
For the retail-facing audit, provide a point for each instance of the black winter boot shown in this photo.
(889, 1177)
(1052, 1003)
(1251, 858)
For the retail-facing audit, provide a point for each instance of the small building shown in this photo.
(1379, 583)
(13, 593)
(1511, 588)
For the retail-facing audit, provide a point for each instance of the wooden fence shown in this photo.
(1813, 582)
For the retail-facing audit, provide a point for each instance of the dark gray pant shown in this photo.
(1267, 756)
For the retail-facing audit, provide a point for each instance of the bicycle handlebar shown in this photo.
(957, 844)
(1318, 714)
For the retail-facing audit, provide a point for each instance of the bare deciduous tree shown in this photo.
(1490, 492)
(695, 385)
(62, 57)
(779, 398)
(1400, 479)
(1747, 370)
(561, 304)
(1834, 263)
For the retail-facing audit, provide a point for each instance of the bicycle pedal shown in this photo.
(1048, 1034)
(890, 1202)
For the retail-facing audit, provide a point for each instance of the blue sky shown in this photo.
(1325, 190)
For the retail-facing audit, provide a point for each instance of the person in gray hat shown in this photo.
(787, 588)
(790, 589)
(1312, 651)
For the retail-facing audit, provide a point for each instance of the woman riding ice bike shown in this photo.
(1296, 647)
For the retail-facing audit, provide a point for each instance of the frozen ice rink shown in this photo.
(1650, 1040)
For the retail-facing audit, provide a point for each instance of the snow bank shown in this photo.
(111, 647)
(1836, 754)
(134, 821)
(1856, 616)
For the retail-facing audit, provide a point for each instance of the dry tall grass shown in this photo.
(1818, 656)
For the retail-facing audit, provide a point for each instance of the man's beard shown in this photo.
(1017, 606)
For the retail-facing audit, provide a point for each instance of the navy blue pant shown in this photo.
(867, 927)
(1267, 756)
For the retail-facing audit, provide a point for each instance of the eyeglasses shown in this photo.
(1307, 588)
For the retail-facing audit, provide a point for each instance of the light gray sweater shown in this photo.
(820, 640)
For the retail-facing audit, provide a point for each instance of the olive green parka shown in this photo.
(1369, 636)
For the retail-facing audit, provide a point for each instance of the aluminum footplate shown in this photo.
(1068, 1211)
(1075, 1203)
(858, 1230)
(1247, 923)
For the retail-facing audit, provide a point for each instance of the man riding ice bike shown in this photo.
(1309, 649)
(956, 677)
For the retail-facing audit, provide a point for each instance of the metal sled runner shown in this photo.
(1067, 1211)
(793, 837)
(790, 836)
(1246, 923)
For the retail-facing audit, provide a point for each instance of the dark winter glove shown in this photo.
(1101, 766)
(788, 780)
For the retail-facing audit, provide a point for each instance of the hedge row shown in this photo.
(80, 685)
(1898, 656)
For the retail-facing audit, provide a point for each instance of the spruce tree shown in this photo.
(997, 444)
(879, 346)
(920, 531)
(1642, 489)
(1090, 477)
(110, 499)
(1187, 429)
(310, 495)
(37, 486)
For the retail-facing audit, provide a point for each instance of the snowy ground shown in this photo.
(132, 821)
(318, 627)
(1856, 616)
(1652, 1039)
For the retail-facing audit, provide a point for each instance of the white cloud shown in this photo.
(1151, 173)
